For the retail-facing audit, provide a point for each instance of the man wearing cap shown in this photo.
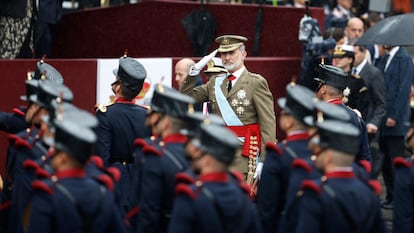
(71, 201)
(271, 195)
(14, 122)
(333, 87)
(242, 99)
(343, 57)
(213, 203)
(339, 201)
(27, 145)
(120, 123)
(303, 168)
(161, 162)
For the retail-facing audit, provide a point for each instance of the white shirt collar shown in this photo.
(237, 74)
(345, 11)
(360, 66)
(392, 53)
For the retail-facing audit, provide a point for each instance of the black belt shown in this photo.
(121, 160)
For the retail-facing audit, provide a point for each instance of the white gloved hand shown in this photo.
(258, 171)
(196, 68)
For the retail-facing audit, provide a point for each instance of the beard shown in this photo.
(233, 66)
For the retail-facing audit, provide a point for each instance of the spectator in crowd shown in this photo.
(398, 70)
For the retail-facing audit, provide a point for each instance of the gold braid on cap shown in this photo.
(319, 117)
(190, 108)
(29, 75)
(59, 115)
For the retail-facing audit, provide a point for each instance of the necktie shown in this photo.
(229, 85)
(383, 62)
(354, 71)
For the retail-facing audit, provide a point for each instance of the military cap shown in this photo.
(31, 89)
(343, 51)
(327, 111)
(196, 119)
(298, 101)
(218, 141)
(332, 76)
(229, 43)
(338, 22)
(338, 135)
(45, 71)
(131, 73)
(215, 65)
(171, 102)
(67, 111)
(49, 90)
(74, 138)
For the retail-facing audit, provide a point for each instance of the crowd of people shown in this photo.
(205, 158)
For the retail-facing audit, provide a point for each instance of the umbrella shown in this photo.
(395, 30)
(201, 29)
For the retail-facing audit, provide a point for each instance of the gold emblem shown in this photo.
(226, 41)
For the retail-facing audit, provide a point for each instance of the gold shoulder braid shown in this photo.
(103, 107)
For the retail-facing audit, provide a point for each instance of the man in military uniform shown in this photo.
(120, 122)
(403, 215)
(70, 194)
(28, 146)
(14, 122)
(161, 162)
(242, 99)
(273, 186)
(339, 201)
(213, 202)
(333, 88)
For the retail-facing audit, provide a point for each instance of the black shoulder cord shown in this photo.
(87, 219)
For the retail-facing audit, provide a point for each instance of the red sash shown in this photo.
(251, 134)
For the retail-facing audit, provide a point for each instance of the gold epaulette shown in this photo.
(102, 107)
(356, 76)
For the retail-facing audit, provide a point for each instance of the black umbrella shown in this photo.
(395, 30)
(201, 30)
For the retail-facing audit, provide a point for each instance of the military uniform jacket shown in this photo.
(403, 212)
(158, 181)
(274, 180)
(213, 203)
(250, 98)
(13, 122)
(21, 147)
(364, 152)
(71, 203)
(119, 125)
(304, 169)
(339, 203)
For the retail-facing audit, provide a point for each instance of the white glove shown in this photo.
(195, 70)
(258, 171)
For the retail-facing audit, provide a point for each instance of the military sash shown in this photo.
(229, 116)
